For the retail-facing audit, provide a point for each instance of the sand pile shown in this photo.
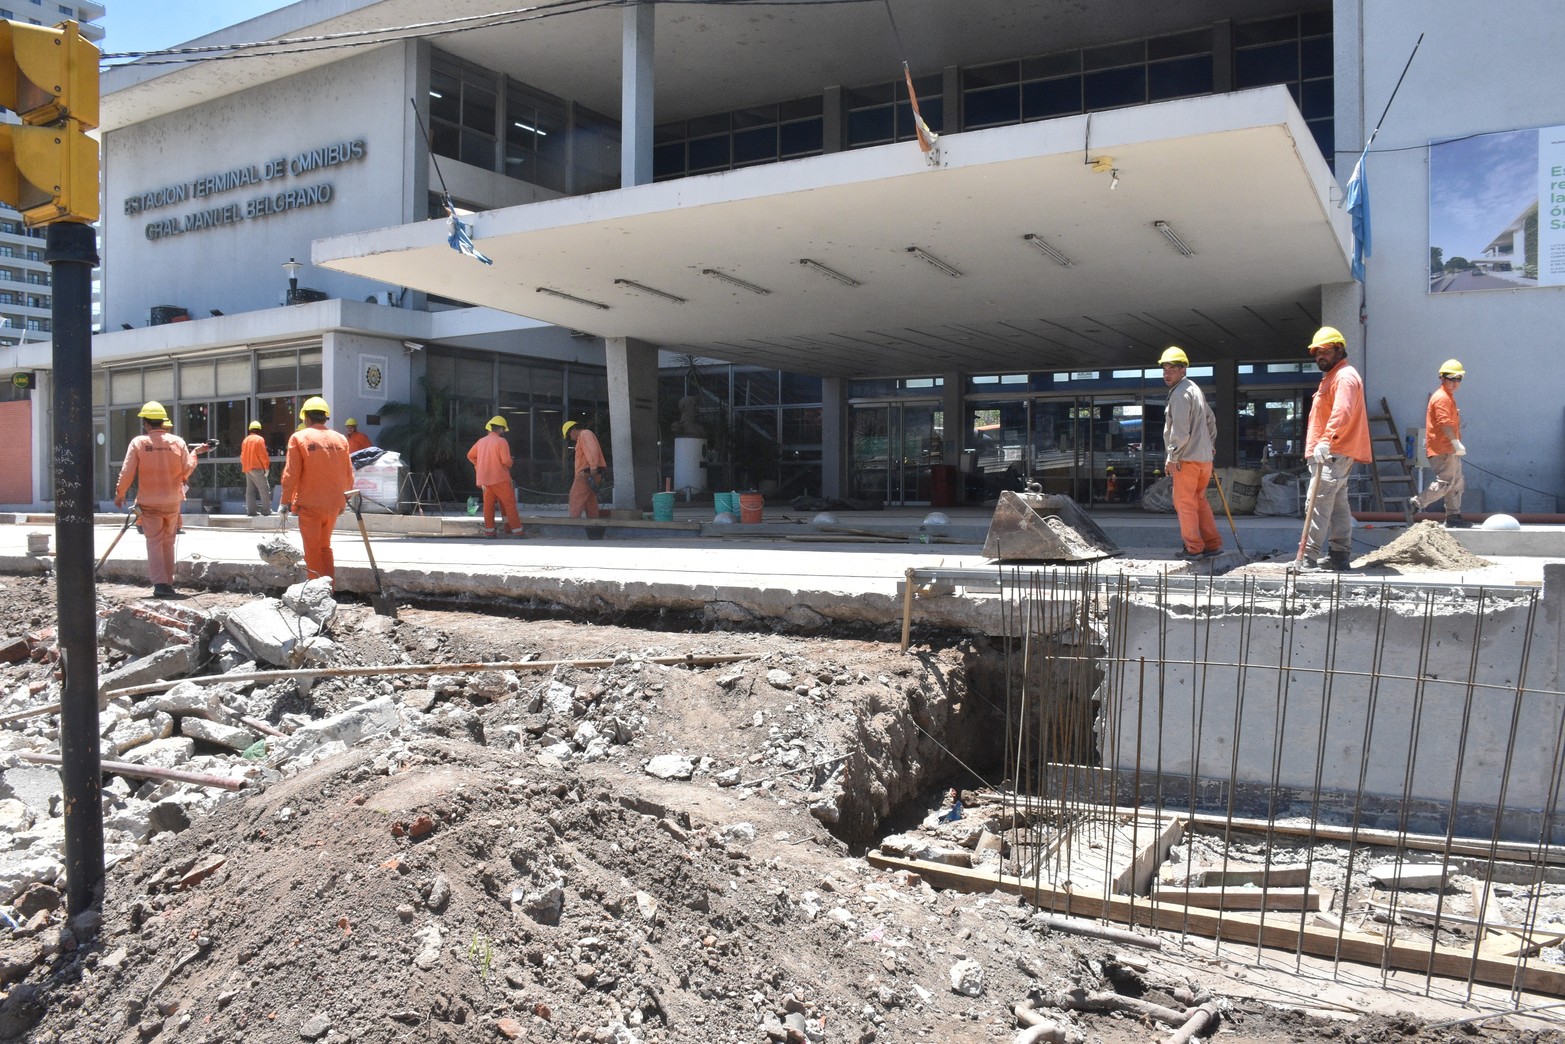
(1426, 545)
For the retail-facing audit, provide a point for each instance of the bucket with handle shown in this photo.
(751, 507)
(662, 507)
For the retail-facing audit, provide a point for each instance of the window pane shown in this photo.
(1051, 98)
(868, 97)
(800, 108)
(868, 126)
(758, 116)
(1269, 31)
(478, 108)
(709, 153)
(233, 376)
(125, 387)
(277, 371)
(1197, 41)
(310, 369)
(192, 422)
(159, 384)
(755, 146)
(445, 97)
(228, 425)
(989, 75)
(799, 138)
(1315, 57)
(1259, 66)
(755, 387)
(196, 379)
(477, 150)
(933, 110)
(988, 108)
(1318, 102)
(668, 160)
(1131, 53)
(1114, 87)
(800, 387)
(1179, 79)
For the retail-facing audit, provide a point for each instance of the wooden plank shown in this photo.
(1247, 898)
(1279, 933)
(1260, 877)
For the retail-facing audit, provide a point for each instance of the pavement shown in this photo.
(789, 568)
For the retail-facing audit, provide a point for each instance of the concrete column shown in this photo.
(951, 98)
(951, 407)
(635, 152)
(1226, 371)
(633, 414)
(833, 137)
(834, 437)
(1339, 307)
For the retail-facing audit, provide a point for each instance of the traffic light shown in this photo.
(48, 163)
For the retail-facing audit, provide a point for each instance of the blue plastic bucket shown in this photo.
(662, 507)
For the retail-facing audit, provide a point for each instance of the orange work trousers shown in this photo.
(584, 499)
(315, 529)
(504, 494)
(160, 528)
(1197, 527)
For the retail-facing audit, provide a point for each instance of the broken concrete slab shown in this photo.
(135, 732)
(215, 732)
(172, 662)
(18, 872)
(187, 700)
(161, 753)
(352, 725)
(312, 600)
(270, 631)
(145, 628)
(32, 785)
(1408, 875)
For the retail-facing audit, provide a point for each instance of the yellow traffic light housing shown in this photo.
(49, 165)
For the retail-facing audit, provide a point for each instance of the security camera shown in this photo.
(412, 346)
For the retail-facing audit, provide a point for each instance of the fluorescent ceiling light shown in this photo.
(535, 130)
(572, 297)
(926, 256)
(735, 280)
(1173, 237)
(648, 290)
(832, 272)
(436, 94)
(1038, 242)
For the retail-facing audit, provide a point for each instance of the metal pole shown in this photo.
(72, 254)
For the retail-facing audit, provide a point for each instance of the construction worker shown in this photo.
(1337, 439)
(491, 457)
(315, 477)
(587, 470)
(357, 440)
(1189, 439)
(1443, 444)
(256, 465)
(158, 462)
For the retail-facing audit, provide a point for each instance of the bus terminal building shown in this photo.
(729, 204)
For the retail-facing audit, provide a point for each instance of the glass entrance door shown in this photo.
(1097, 449)
(893, 451)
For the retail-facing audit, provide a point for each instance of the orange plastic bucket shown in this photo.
(751, 506)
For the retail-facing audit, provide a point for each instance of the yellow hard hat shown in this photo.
(312, 405)
(350, 422)
(1326, 336)
(1452, 368)
(1174, 354)
(497, 421)
(567, 426)
(153, 411)
(255, 425)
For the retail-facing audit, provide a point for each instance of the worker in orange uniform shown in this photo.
(357, 440)
(491, 457)
(1443, 444)
(1189, 443)
(1337, 439)
(587, 470)
(315, 477)
(158, 462)
(256, 465)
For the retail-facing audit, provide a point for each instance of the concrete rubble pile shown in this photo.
(252, 734)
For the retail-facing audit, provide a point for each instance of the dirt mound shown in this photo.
(1426, 545)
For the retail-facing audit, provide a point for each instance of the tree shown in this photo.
(1436, 260)
(1458, 264)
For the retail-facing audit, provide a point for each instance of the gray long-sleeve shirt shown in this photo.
(1189, 429)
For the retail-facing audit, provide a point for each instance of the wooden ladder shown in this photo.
(1388, 470)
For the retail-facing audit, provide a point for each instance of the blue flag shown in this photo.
(1356, 198)
(460, 234)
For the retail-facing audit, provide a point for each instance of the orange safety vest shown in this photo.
(491, 457)
(318, 471)
(253, 455)
(158, 463)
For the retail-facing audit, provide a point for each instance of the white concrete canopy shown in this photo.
(1236, 176)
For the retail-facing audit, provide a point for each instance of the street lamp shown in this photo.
(292, 268)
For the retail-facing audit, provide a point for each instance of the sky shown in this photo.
(149, 25)
(1478, 186)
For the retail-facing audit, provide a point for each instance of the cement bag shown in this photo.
(1279, 495)
(1159, 496)
(1243, 486)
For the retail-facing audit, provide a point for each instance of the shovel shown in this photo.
(383, 606)
(1231, 528)
(130, 517)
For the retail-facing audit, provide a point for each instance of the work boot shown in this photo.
(1186, 555)
(1409, 509)
(1212, 552)
(1307, 564)
(1339, 561)
(518, 534)
(490, 534)
(163, 591)
(1457, 522)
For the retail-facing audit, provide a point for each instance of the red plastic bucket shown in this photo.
(751, 506)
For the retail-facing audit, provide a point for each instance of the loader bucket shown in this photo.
(1044, 527)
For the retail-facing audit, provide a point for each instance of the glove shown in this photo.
(1322, 451)
(1457, 448)
(283, 509)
